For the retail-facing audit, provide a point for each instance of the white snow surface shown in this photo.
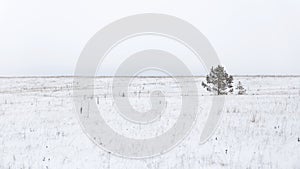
(39, 127)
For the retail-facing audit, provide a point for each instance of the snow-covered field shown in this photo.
(39, 127)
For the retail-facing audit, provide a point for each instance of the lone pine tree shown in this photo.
(241, 90)
(218, 81)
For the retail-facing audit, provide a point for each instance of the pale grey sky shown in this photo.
(251, 37)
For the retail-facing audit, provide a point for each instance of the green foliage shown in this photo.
(241, 90)
(218, 81)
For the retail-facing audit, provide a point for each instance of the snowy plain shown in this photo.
(39, 126)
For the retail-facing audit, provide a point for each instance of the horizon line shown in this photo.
(149, 76)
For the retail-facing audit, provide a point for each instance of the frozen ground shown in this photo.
(39, 127)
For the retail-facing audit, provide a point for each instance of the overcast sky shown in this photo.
(251, 37)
